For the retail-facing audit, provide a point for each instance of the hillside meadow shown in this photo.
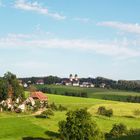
(27, 127)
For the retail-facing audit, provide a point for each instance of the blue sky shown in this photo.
(88, 37)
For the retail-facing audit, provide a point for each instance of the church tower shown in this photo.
(71, 77)
(76, 77)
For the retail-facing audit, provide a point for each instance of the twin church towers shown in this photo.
(73, 78)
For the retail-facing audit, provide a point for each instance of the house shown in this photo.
(75, 84)
(102, 85)
(25, 85)
(87, 84)
(57, 84)
(40, 82)
(38, 95)
(41, 97)
(92, 85)
(22, 107)
(30, 100)
(66, 82)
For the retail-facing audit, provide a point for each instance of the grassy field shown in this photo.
(98, 93)
(24, 126)
(123, 112)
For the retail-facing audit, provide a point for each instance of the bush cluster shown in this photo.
(137, 112)
(62, 108)
(133, 132)
(54, 107)
(50, 110)
(77, 94)
(106, 112)
(46, 114)
(133, 99)
(119, 130)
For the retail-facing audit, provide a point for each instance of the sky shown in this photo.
(58, 37)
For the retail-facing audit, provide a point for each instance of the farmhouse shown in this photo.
(38, 95)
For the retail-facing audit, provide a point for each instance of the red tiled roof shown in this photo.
(39, 95)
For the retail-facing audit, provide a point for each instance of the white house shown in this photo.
(87, 84)
(102, 85)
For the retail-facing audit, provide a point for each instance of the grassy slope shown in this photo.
(123, 112)
(15, 126)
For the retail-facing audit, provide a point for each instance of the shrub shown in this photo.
(118, 130)
(109, 113)
(137, 112)
(103, 111)
(132, 132)
(62, 108)
(53, 106)
(79, 126)
(46, 114)
(37, 105)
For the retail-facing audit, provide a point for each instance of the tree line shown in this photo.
(66, 93)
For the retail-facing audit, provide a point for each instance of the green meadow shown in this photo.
(27, 127)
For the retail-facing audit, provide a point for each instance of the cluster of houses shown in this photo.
(22, 105)
(74, 81)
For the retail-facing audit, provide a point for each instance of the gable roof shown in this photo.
(39, 95)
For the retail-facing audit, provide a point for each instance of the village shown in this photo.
(73, 80)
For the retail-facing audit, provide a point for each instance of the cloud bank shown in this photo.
(126, 27)
(36, 7)
(119, 49)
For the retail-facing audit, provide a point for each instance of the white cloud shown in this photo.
(84, 20)
(36, 7)
(117, 49)
(126, 27)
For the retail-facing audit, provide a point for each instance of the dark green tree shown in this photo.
(3, 89)
(14, 89)
(79, 126)
(118, 130)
